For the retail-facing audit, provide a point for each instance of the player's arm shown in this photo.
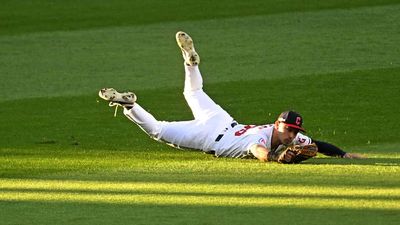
(264, 154)
(334, 151)
(260, 152)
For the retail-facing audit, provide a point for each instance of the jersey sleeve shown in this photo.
(256, 140)
(329, 149)
(302, 139)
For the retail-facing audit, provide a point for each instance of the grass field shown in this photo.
(64, 158)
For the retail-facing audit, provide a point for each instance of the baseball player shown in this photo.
(214, 131)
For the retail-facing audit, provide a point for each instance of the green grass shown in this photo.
(64, 158)
(44, 15)
(63, 63)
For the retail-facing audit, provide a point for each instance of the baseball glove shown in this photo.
(295, 153)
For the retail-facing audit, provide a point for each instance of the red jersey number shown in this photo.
(243, 130)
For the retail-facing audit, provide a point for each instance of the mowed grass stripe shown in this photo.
(167, 199)
(200, 194)
(25, 16)
(72, 63)
(21, 184)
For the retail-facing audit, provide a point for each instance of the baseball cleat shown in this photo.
(125, 99)
(189, 54)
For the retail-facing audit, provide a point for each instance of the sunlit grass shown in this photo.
(200, 194)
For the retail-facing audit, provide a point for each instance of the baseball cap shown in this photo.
(292, 119)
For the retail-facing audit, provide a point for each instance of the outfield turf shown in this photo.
(64, 158)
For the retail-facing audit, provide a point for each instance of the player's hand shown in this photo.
(287, 157)
(354, 156)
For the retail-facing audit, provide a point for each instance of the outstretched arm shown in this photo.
(264, 154)
(331, 150)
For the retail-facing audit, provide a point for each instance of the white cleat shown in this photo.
(189, 54)
(125, 99)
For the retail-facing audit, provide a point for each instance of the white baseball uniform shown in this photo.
(212, 130)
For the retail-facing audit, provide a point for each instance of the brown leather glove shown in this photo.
(295, 154)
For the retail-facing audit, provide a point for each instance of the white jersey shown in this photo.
(237, 141)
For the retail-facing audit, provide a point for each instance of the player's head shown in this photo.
(288, 124)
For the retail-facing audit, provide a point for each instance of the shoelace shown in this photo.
(112, 104)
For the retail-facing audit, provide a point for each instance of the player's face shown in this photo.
(286, 134)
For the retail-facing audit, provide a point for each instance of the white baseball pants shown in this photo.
(200, 133)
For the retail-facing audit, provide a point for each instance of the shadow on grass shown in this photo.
(368, 161)
(147, 214)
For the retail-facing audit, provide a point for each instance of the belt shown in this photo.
(233, 124)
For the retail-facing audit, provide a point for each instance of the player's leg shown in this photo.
(193, 79)
(190, 134)
(144, 120)
(202, 106)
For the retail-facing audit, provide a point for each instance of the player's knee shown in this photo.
(155, 132)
